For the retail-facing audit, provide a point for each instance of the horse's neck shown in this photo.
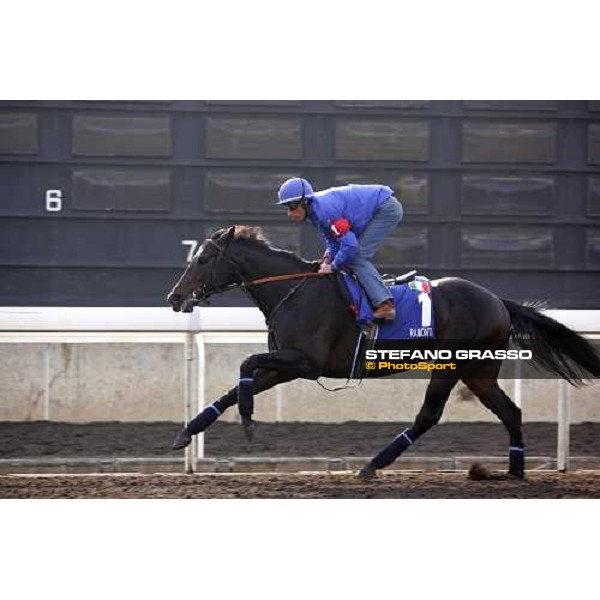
(265, 262)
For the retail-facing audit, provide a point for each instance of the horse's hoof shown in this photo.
(367, 473)
(182, 440)
(248, 426)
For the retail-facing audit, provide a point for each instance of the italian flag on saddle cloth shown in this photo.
(414, 308)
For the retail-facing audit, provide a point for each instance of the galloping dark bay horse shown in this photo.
(312, 334)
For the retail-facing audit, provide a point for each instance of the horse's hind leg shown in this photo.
(493, 398)
(436, 396)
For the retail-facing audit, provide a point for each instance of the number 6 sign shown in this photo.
(53, 200)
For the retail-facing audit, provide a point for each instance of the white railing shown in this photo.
(208, 325)
(88, 325)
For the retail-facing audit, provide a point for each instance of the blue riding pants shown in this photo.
(383, 223)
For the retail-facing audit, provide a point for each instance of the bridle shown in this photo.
(202, 295)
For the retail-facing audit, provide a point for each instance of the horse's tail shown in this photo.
(555, 347)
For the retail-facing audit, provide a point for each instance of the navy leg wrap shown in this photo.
(246, 396)
(392, 451)
(206, 418)
(516, 460)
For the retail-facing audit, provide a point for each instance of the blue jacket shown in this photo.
(341, 214)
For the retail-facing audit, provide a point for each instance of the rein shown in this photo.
(274, 278)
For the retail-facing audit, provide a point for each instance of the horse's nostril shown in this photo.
(175, 300)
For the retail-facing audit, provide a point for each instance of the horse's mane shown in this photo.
(256, 237)
(255, 234)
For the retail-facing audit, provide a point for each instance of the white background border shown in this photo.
(309, 50)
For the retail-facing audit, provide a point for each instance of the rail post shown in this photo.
(564, 419)
(187, 409)
(201, 391)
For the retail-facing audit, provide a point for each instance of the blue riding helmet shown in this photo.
(295, 189)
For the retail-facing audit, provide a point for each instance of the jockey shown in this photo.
(354, 220)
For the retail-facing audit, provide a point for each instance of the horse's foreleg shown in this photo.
(204, 419)
(263, 381)
(286, 364)
(437, 393)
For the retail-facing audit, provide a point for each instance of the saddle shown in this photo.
(388, 279)
(414, 312)
(413, 300)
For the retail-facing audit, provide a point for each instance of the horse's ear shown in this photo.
(230, 234)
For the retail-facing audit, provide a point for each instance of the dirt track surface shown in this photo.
(50, 439)
(580, 484)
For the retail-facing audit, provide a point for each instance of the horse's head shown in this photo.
(209, 271)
